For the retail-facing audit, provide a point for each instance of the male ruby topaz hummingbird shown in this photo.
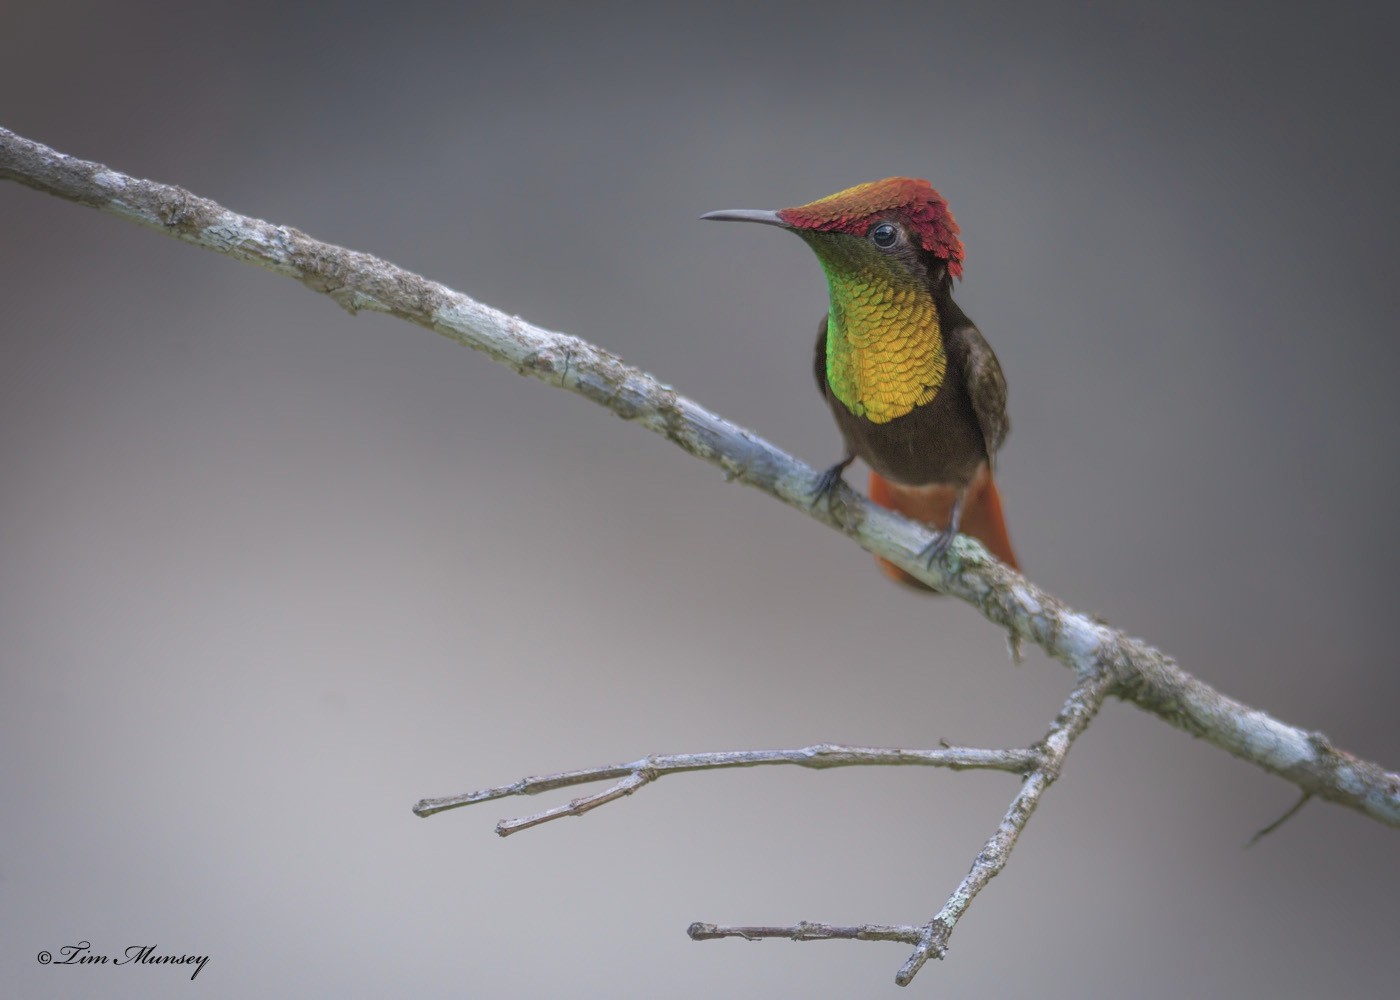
(915, 388)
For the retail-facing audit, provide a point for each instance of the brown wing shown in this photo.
(819, 362)
(986, 387)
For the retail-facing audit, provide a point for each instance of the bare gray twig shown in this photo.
(808, 931)
(1292, 811)
(931, 939)
(1079, 710)
(641, 772)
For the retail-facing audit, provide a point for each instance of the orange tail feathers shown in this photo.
(981, 517)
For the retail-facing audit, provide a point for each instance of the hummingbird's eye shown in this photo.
(885, 235)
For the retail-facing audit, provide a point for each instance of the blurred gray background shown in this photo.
(271, 573)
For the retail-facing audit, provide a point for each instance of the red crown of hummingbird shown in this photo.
(912, 200)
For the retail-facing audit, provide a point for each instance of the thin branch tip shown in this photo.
(807, 930)
(629, 777)
(1292, 811)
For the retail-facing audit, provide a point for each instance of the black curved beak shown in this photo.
(747, 215)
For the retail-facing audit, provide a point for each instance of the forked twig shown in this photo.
(808, 931)
(1081, 707)
(932, 938)
(632, 776)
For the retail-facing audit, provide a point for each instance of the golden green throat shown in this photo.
(884, 345)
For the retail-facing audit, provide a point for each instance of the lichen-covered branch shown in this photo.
(630, 777)
(356, 280)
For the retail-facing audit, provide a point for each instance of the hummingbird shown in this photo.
(914, 386)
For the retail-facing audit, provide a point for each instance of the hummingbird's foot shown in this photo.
(941, 541)
(934, 550)
(828, 481)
